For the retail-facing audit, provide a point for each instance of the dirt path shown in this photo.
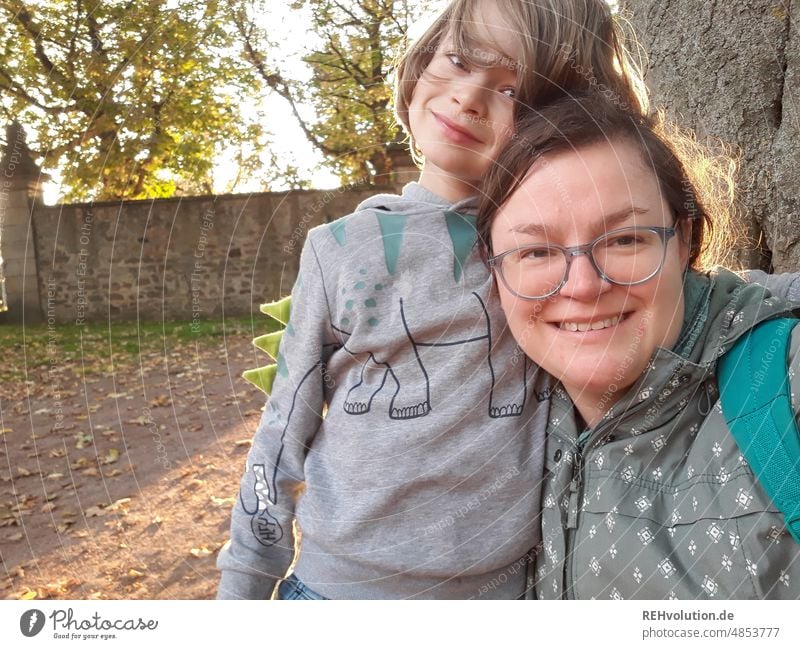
(118, 482)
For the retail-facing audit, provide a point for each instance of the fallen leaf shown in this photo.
(55, 476)
(160, 401)
(116, 395)
(200, 552)
(243, 442)
(111, 457)
(117, 504)
(195, 427)
(222, 502)
(135, 573)
(15, 537)
(94, 511)
(47, 508)
(28, 594)
(91, 472)
(113, 473)
(80, 463)
(22, 472)
(58, 588)
(3, 431)
(84, 440)
(57, 452)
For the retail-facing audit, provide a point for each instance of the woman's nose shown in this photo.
(583, 280)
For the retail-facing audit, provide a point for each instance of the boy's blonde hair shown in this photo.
(567, 46)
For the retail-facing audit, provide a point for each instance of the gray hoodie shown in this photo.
(404, 433)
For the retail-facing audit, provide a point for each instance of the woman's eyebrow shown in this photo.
(608, 222)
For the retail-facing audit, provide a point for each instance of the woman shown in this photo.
(594, 232)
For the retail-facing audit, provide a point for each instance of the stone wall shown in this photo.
(176, 259)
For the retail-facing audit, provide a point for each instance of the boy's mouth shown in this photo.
(454, 130)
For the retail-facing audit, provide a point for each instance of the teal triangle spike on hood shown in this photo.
(393, 212)
(461, 228)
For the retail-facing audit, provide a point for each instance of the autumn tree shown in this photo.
(730, 70)
(352, 49)
(125, 98)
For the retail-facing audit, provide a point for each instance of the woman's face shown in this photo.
(596, 337)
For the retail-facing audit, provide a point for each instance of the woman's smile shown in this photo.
(592, 325)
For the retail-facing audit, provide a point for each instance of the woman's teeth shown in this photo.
(587, 326)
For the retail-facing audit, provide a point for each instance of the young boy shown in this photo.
(422, 479)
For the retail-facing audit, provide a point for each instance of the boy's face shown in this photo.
(461, 115)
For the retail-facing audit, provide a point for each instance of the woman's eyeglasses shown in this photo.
(625, 257)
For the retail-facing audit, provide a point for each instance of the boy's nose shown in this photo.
(583, 281)
(469, 95)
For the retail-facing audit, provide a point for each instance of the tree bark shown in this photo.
(731, 70)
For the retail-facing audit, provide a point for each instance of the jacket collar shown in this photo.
(720, 307)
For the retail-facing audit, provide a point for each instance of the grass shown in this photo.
(94, 345)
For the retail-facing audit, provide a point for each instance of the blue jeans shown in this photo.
(293, 588)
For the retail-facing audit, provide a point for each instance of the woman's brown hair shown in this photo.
(697, 187)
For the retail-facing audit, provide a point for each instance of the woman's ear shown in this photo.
(684, 228)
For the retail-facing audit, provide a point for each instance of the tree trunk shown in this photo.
(731, 70)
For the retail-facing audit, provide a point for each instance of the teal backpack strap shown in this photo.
(755, 395)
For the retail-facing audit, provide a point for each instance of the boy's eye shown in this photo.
(509, 92)
(456, 60)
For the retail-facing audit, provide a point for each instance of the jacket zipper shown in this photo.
(582, 447)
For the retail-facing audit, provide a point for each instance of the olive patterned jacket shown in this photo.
(656, 501)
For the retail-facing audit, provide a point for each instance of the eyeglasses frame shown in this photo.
(496, 262)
